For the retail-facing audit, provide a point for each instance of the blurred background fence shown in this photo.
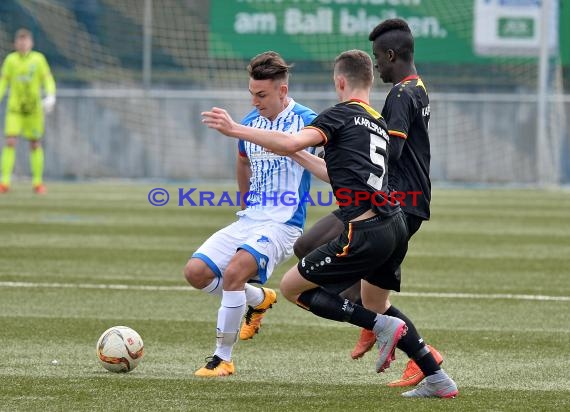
(134, 75)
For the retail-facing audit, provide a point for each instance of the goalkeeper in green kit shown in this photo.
(25, 72)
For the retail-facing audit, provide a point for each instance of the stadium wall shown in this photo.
(476, 138)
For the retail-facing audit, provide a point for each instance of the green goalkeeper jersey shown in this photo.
(25, 75)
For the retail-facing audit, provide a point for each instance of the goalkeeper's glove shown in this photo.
(48, 103)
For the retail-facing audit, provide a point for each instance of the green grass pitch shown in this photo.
(487, 281)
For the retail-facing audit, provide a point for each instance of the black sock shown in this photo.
(413, 345)
(329, 306)
(427, 364)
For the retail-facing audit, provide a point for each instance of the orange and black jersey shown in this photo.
(356, 153)
(407, 114)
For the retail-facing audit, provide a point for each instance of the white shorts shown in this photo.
(270, 243)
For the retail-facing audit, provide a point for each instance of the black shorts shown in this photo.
(371, 249)
(413, 223)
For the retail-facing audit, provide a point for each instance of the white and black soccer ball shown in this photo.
(120, 349)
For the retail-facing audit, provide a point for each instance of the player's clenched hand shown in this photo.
(220, 120)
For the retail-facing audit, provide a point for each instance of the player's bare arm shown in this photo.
(243, 174)
(279, 142)
(313, 164)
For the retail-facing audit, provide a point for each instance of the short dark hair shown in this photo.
(23, 32)
(394, 34)
(268, 65)
(356, 66)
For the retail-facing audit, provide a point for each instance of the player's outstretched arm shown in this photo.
(279, 142)
(313, 164)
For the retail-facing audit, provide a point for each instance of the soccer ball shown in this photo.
(120, 349)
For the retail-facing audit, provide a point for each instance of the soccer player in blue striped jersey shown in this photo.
(270, 222)
(273, 176)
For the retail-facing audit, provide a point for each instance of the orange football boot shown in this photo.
(413, 374)
(40, 189)
(365, 342)
(254, 315)
(215, 367)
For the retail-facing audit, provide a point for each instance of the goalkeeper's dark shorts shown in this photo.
(371, 249)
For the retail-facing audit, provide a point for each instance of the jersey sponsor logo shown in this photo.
(28, 76)
(374, 127)
(264, 155)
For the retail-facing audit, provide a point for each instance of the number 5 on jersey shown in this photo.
(378, 157)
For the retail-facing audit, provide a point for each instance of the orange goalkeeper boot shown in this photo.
(40, 189)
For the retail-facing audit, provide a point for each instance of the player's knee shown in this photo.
(34, 144)
(287, 293)
(235, 277)
(352, 293)
(197, 273)
(288, 289)
(11, 141)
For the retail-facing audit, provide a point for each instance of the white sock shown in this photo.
(253, 295)
(230, 315)
(216, 287)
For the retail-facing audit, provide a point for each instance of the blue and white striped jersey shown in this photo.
(277, 183)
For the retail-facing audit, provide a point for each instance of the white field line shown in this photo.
(508, 296)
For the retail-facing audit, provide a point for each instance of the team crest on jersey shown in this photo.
(263, 239)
